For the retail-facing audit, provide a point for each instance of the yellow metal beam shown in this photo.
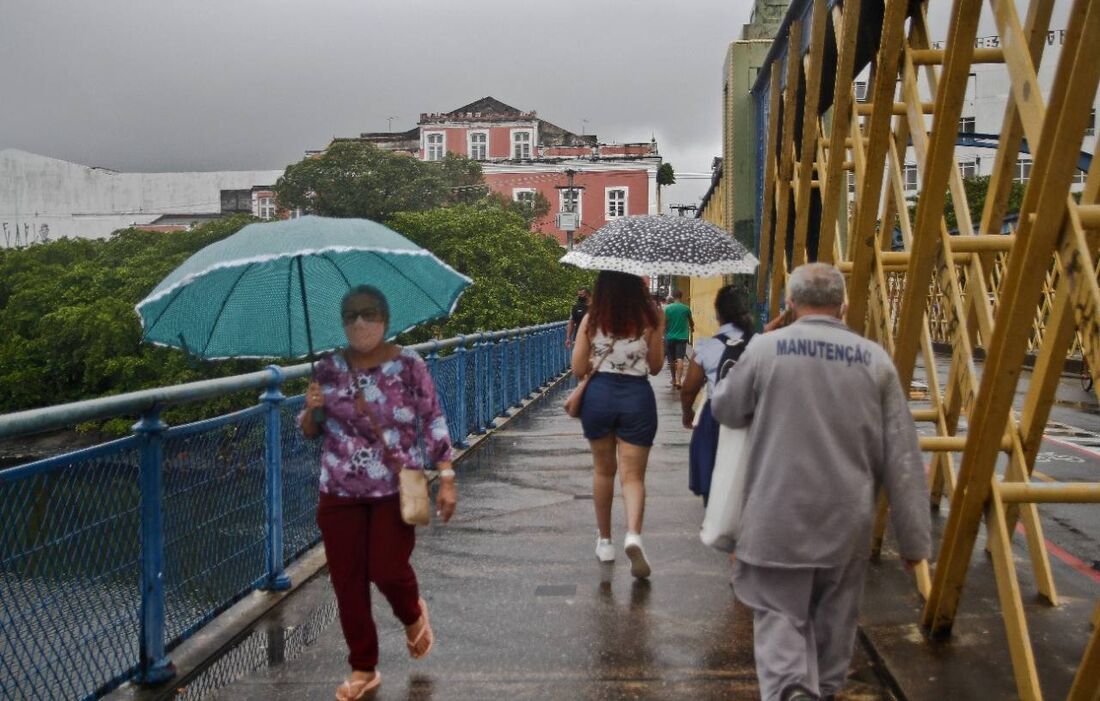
(1071, 99)
(1050, 493)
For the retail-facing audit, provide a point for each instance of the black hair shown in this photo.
(368, 291)
(730, 308)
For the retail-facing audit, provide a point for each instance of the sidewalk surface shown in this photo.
(520, 606)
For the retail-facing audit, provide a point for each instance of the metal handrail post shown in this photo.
(478, 423)
(490, 400)
(486, 379)
(544, 358)
(461, 420)
(559, 343)
(276, 578)
(154, 666)
(538, 359)
(564, 365)
(528, 370)
(506, 373)
(517, 399)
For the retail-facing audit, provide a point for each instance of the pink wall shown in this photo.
(626, 150)
(552, 151)
(500, 141)
(593, 212)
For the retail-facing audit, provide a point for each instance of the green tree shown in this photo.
(530, 212)
(976, 189)
(356, 179)
(68, 329)
(517, 277)
(665, 175)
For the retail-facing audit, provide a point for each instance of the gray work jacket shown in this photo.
(829, 425)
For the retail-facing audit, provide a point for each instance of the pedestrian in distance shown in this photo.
(713, 358)
(830, 425)
(376, 407)
(622, 335)
(576, 314)
(678, 329)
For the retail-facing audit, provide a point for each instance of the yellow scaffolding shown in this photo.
(1034, 290)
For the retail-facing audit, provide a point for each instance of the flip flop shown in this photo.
(366, 688)
(425, 629)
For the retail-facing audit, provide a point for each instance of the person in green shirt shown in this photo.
(678, 329)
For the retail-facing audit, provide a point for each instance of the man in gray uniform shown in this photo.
(829, 426)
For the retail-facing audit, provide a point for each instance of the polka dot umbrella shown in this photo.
(658, 244)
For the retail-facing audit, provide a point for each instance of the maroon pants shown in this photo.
(368, 542)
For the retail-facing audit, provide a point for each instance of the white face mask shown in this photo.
(364, 336)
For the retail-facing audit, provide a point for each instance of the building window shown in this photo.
(910, 176)
(1090, 128)
(616, 202)
(479, 145)
(521, 145)
(968, 169)
(861, 91)
(1023, 170)
(434, 151)
(525, 196)
(265, 207)
(851, 182)
(966, 125)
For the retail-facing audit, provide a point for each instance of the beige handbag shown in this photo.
(412, 485)
(416, 507)
(575, 400)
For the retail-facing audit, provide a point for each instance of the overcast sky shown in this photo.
(165, 85)
(160, 85)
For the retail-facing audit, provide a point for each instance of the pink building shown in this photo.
(522, 154)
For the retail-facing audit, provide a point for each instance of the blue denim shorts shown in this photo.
(620, 404)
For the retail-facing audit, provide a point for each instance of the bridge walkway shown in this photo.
(523, 611)
(520, 606)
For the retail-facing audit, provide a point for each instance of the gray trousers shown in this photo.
(804, 623)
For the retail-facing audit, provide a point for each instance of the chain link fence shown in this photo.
(112, 555)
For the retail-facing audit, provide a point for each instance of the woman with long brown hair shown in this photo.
(621, 337)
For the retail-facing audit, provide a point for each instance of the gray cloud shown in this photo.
(204, 84)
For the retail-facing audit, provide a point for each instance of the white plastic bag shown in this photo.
(722, 522)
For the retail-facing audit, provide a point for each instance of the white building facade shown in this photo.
(44, 198)
(983, 112)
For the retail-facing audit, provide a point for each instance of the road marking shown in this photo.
(1088, 452)
(1071, 560)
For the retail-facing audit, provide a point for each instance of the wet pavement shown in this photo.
(520, 606)
(522, 610)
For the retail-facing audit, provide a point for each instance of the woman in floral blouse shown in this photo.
(379, 413)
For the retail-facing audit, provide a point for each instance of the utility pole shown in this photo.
(569, 223)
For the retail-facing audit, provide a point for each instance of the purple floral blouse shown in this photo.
(400, 396)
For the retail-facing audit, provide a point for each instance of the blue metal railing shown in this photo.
(112, 555)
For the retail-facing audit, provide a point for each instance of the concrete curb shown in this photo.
(211, 641)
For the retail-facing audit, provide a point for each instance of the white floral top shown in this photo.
(626, 357)
(401, 400)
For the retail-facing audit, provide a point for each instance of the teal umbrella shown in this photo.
(273, 290)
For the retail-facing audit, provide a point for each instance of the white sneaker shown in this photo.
(639, 566)
(605, 549)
